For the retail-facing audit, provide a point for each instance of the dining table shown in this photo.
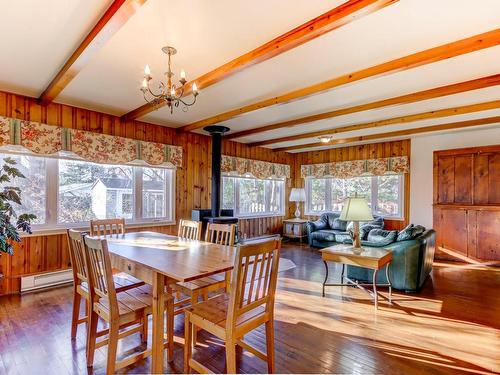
(162, 260)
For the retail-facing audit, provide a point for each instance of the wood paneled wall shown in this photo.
(369, 151)
(48, 253)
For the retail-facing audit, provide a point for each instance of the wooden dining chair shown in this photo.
(126, 313)
(122, 281)
(221, 234)
(190, 230)
(249, 304)
(103, 227)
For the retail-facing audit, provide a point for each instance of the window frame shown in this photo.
(267, 203)
(373, 198)
(52, 224)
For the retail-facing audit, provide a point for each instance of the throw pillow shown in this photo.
(406, 233)
(338, 224)
(377, 222)
(417, 230)
(382, 236)
(365, 229)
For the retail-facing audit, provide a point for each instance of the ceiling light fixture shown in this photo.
(169, 92)
(325, 138)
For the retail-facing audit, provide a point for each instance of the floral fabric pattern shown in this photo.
(98, 148)
(41, 138)
(101, 148)
(4, 131)
(257, 168)
(358, 168)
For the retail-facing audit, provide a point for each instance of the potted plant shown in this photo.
(10, 195)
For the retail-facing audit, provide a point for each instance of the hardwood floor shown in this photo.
(451, 327)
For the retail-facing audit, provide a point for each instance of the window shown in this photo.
(33, 187)
(92, 191)
(68, 192)
(383, 193)
(252, 196)
(153, 192)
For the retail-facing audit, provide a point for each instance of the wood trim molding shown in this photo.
(398, 133)
(331, 20)
(118, 13)
(437, 92)
(443, 52)
(390, 121)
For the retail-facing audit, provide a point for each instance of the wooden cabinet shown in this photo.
(467, 203)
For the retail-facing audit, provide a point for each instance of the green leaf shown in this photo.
(13, 172)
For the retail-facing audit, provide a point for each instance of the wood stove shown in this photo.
(215, 215)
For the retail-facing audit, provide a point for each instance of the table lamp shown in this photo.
(356, 209)
(297, 195)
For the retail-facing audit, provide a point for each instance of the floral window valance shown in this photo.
(357, 168)
(257, 168)
(46, 139)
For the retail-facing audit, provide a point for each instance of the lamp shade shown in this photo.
(297, 195)
(356, 209)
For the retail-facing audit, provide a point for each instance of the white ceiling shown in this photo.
(42, 35)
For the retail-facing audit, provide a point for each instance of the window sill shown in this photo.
(392, 218)
(62, 230)
(249, 217)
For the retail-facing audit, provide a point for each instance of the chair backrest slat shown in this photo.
(106, 227)
(254, 279)
(189, 230)
(98, 263)
(76, 247)
(221, 234)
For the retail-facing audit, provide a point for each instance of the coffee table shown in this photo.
(373, 258)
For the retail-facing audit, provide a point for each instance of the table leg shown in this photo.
(389, 282)
(158, 323)
(326, 277)
(375, 295)
(170, 323)
(342, 275)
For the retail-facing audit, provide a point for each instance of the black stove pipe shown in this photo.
(216, 132)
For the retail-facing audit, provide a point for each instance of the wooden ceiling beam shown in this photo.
(460, 110)
(443, 52)
(437, 92)
(331, 20)
(398, 133)
(118, 13)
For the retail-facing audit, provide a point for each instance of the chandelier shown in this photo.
(168, 92)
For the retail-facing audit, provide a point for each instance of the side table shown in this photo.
(295, 228)
(373, 258)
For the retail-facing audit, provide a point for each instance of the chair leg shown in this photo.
(112, 347)
(76, 313)
(231, 356)
(91, 337)
(188, 343)
(270, 346)
(144, 332)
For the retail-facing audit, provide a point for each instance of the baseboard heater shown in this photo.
(45, 280)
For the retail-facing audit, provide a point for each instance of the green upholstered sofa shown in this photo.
(412, 257)
(411, 263)
(329, 229)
